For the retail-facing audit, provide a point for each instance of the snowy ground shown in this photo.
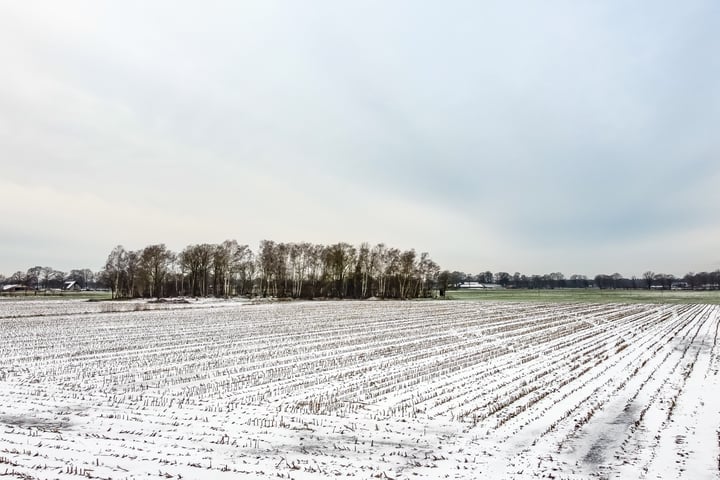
(359, 389)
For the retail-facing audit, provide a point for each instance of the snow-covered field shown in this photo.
(359, 389)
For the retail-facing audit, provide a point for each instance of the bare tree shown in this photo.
(114, 270)
(391, 263)
(266, 267)
(134, 278)
(339, 258)
(649, 277)
(443, 282)
(406, 271)
(557, 279)
(299, 256)
(503, 278)
(155, 260)
(427, 271)
(221, 257)
(32, 277)
(17, 277)
(197, 260)
(315, 268)
(242, 268)
(46, 274)
(280, 266)
(57, 279)
(366, 263)
(87, 277)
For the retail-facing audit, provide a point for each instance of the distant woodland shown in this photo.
(306, 270)
(282, 270)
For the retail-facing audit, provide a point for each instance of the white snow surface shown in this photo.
(389, 390)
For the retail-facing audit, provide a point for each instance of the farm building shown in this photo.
(479, 285)
(14, 288)
(71, 286)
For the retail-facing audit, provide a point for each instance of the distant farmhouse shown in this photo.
(14, 288)
(478, 285)
(71, 286)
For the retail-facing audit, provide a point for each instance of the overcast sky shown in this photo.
(572, 136)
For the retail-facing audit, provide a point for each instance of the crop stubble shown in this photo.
(363, 389)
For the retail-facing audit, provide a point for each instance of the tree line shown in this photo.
(306, 270)
(45, 278)
(283, 270)
(648, 280)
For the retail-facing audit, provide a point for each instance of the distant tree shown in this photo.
(115, 270)
(197, 260)
(716, 277)
(443, 282)
(173, 279)
(377, 263)
(135, 278)
(154, 261)
(298, 258)
(189, 265)
(241, 268)
(662, 280)
(391, 262)
(32, 277)
(427, 273)
(17, 277)
(557, 279)
(691, 280)
(503, 278)
(82, 276)
(603, 281)
(339, 259)
(224, 266)
(406, 272)
(57, 279)
(456, 278)
(77, 276)
(46, 274)
(88, 278)
(266, 259)
(280, 267)
(367, 263)
(315, 271)
(649, 278)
